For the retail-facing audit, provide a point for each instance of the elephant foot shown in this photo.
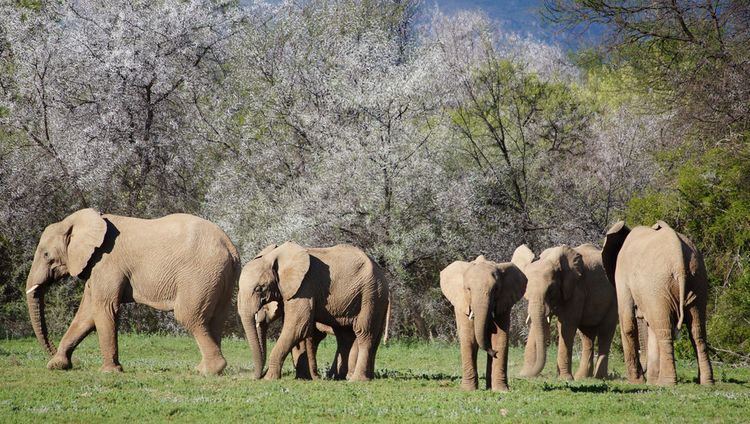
(527, 374)
(636, 380)
(272, 375)
(359, 377)
(111, 368)
(58, 363)
(566, 377)
(707, 382)
(500, 388)
(667, 381)
(213, 367)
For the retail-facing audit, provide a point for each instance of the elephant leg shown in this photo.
(295, 328)
(80, 327)
(352, 358)
(652, 356)
(105, 321)
(469, 347)
(643, 354)
(367, 347)
(629, 333)
(695, 319)
(605, 333)
(496, 375)
(565, 349)
(341, 366)
(661, 328)
(587, 353)
(368, 328)
(300, 359)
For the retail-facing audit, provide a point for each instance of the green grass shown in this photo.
(417, 382)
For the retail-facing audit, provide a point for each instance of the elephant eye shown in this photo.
(258, 289)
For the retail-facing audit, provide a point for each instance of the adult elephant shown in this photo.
(178, 263)
(304, 353)
(571, 284)
(482, 293)
(339, 286)
(659, 274)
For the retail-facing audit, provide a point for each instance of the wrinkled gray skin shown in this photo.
(339, 286)
(659, 274)
(571, 284)
(482, 293)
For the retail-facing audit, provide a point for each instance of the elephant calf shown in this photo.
(659, 275)
(482, 294)
(571, 284)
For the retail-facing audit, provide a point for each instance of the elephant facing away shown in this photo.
(571, 284)
(338, 286)
(659, 275)
(482, 293)
(178, 263)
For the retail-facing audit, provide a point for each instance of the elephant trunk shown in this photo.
(248, 307)
(35, 290)
(480, 311)
(536, 349)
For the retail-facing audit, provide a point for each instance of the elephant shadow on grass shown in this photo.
(391, 374)
(592, 388)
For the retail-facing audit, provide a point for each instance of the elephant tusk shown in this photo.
(471, 315)
(528, 318)
(548, 319)
(31, 290)
(257, 323)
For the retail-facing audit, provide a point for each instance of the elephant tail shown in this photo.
(387, 321)
(681, 281)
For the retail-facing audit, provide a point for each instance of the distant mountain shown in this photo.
(520, 16)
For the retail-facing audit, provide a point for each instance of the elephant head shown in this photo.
(65, 248)
(552, 281)
(480, 288)
(274, 275)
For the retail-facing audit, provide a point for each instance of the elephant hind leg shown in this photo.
(652, 354)
(695, 320)
(204, 332)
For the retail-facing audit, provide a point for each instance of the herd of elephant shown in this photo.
(653, 278)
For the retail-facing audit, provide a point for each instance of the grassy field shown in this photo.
(417, 382)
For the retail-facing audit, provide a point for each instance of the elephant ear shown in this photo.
(659, 225)
(512, 286)
(85, 231)
(571, 263)
(265, 251)
(612, 244)
(452, 285)
(291, 261)
(268, 312)
(522, 257)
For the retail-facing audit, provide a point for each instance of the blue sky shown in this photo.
(521, 16)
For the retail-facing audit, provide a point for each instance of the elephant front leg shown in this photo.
(80, 327)
(565, 349)
(469, 347)
(294, 330)
(587, 354)
(497, 367)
